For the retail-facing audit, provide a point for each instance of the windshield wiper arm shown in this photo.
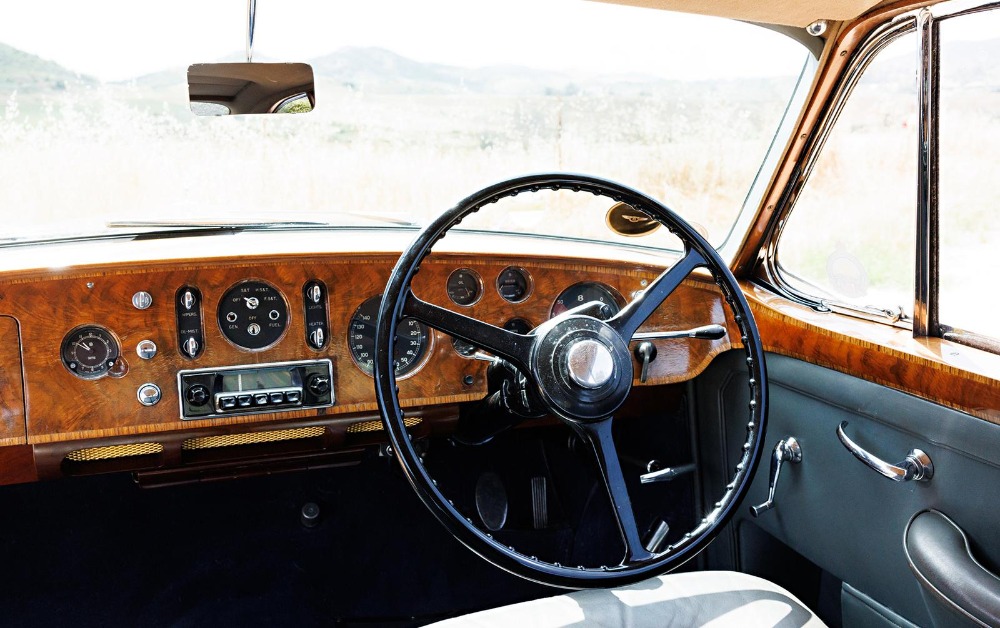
(210, 225)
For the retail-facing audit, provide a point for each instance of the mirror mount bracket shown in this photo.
(251, 20)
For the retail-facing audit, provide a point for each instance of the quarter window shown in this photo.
(917, 144)
(850, 238)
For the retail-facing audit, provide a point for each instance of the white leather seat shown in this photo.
(706, 598)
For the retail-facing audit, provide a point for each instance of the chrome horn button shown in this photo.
(590, 363)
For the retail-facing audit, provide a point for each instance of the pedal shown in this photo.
(539, 502)
(491, 501)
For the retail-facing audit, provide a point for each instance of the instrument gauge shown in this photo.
(518, 326)
(253, 315)
(90, 351)
(412, 338)
(465, 287)
(585, 292)
(514, 284)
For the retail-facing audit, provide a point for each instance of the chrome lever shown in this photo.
(708, 332)
(916, 466)
(665, 475)
(787, 450)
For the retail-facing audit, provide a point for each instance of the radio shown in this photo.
(278, 387)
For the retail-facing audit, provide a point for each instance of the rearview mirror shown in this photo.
(221, 89)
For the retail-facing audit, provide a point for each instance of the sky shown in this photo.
(121, 39)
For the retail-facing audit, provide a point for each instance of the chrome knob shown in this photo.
(316, 338)
(146, 349)
(590, 364)
(315, 293)
(191, 347)
(188, 300)
(142, 300)
(148, 394)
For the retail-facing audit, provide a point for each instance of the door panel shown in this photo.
(832, 509)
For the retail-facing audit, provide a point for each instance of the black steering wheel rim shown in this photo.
(398, 302)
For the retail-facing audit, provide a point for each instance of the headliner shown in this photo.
(783, 12)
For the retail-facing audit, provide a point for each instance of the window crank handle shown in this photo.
(787, 450)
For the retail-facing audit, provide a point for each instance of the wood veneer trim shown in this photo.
(946, 373)
(12, 412)
(51, 303)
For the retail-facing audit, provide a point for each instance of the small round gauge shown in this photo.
(518, 326)
(585, 292)
(412, 339)
(464, 349)
(90, 351)
(514, 284)
(465, 287)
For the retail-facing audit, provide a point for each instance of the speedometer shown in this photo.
(412, 339)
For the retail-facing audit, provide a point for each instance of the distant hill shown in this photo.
(29, 73)
(966, 63)
(381, 70)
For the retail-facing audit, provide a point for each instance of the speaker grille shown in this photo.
(252, 438)
(114, 451)
(376, 426)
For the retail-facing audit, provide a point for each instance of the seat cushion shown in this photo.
(704, 598)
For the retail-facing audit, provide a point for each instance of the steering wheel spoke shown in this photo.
(599, 436)
(627, 322)
(513, 347)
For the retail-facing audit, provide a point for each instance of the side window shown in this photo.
(850, 237)
(968, 167)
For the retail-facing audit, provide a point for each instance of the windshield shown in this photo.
(417, 105)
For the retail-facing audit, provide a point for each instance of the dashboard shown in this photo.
(120, 354)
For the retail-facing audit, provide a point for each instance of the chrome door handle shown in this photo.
(916, 466)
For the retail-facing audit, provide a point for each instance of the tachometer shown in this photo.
(412, 339)
(89, 351)
(585, 292)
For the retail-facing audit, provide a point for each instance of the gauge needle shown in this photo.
(82, 345)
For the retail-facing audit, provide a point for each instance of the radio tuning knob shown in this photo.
(197, 395)
(319, 385)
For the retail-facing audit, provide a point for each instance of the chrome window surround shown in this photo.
(925, 320)
(774, 274)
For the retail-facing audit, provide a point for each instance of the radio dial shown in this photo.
(197, 395)
(318, 385)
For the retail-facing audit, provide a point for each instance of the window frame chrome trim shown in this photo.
(774, 275)
(926, 267)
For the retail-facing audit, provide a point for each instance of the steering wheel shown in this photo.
(581, 369)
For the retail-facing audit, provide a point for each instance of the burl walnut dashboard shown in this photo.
(119, 354)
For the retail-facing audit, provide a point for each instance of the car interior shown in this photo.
(616, 313)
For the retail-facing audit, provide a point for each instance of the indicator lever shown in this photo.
(665, 475)
(645, 353)
(787, 450)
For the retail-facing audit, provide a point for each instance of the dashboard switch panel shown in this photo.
(253, 315)
(190, 328)
(235, 390)
(314, 297)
